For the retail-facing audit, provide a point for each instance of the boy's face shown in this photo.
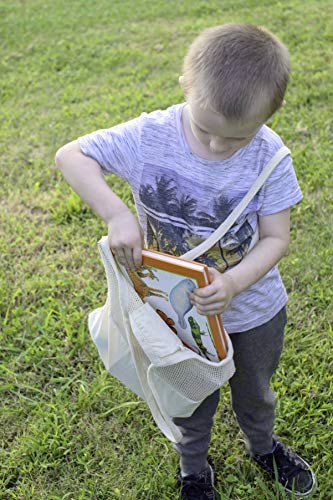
(218, 134)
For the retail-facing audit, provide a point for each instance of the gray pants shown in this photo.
(256, 355)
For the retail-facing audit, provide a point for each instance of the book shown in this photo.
(165, 281)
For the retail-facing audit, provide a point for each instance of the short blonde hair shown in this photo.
(235, 68)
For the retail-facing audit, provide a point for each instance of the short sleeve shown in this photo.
(281, 190)
(116, 149)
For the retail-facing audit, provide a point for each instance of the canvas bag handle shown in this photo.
(229, 221)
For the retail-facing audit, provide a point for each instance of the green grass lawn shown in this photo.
(69, 430)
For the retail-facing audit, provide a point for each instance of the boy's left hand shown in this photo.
(214, 298)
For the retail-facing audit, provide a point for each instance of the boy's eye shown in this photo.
(201, 130)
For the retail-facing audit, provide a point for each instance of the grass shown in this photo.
(68, 430)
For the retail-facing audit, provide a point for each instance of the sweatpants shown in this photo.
(256, 355)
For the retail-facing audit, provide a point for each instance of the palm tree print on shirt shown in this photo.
(173, 224)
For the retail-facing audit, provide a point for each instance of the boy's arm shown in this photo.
(272, 245)
(85, 176)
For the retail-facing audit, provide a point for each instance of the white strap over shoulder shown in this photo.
(226, 225)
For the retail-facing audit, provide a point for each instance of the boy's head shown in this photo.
(239, 71)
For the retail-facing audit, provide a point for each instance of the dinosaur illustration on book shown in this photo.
(170, 322)
(141, 288)
(146, 272)
(197, 334)
(180, 301)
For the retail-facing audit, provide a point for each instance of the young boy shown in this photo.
(188, 167)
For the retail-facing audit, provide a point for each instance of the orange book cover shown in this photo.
(165, 281)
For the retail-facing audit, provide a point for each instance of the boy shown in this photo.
(188, 167)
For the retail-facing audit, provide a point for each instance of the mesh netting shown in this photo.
(134, 301)
(114, 296)
(192, 378)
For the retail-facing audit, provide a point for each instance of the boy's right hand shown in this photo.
(126, 239)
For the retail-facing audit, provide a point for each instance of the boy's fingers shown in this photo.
(204, 300)
(121, 257)
(214, 308)
(137, 257)
(129, 259)
(125, 257)
(206, 291)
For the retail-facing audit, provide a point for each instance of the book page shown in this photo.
(167, 293)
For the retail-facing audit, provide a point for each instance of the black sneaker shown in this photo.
(292, 471)
(197, 486)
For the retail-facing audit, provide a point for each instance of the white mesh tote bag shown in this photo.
(139, 349)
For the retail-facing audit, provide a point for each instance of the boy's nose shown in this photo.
(215, 143)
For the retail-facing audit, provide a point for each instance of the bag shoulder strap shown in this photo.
(229, 221)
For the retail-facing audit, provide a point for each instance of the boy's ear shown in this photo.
(283, 103)
(180, 80)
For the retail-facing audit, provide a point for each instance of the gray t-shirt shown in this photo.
(181, 198)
